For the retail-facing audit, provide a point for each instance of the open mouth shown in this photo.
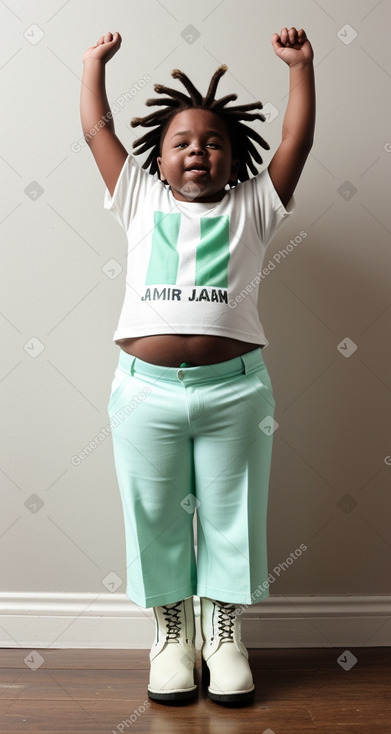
(198, 169)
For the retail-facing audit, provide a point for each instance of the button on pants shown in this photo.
(194, 439)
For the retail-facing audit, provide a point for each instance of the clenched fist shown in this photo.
(105, 48)
(292, 46)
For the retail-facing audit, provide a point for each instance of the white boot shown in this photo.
(225, 664)
(173, 653)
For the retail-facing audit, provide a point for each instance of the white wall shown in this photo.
(330, 479)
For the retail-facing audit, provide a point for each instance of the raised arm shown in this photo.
(96, 117)
(298, 127)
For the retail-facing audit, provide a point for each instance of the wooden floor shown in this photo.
(105, 691)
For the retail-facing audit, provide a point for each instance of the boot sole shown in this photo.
(173, 696)
(227, 699)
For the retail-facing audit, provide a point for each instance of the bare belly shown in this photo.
(171, 350)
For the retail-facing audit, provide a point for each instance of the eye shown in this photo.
(183, 144)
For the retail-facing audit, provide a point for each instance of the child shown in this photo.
(191, 381)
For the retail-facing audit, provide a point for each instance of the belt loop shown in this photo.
(251, 359)
(132, 367)
(244, 363)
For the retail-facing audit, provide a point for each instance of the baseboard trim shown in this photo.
(39, 620)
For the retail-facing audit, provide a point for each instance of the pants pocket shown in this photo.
(262, 383)
(117, 387)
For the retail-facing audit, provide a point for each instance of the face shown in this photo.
(196, 156)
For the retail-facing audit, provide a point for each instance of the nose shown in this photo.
(196, 149)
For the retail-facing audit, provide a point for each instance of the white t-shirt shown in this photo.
(193, 267)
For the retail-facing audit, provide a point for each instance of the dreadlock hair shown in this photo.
(239, 134)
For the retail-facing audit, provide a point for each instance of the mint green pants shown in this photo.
(194, 439)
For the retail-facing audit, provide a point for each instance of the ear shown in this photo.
(161, 169)
(159, 162)
(234, 170)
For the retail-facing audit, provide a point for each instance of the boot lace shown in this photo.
(171, 615)
(225, 620)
